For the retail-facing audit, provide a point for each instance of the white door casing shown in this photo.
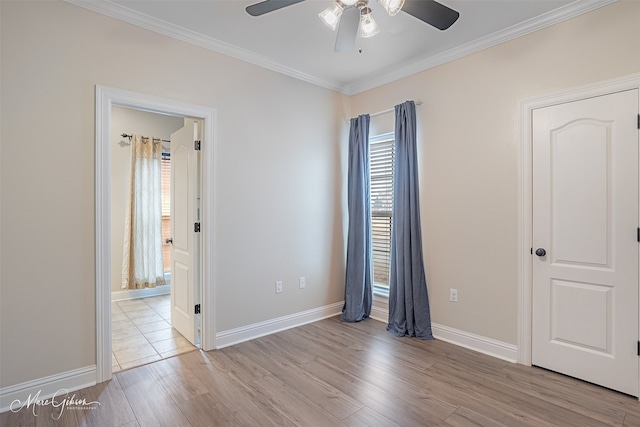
(184, 216)
(585, 216)
(106, 97)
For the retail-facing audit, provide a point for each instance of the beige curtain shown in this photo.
(142, 256)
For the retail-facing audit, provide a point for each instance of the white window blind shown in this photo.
(166, 209)
(381, 153)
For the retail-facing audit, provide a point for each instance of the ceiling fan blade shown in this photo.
(269, 6)
(431, 12)
(348, 30)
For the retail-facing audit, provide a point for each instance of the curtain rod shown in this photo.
(390, 110)
(124, 135)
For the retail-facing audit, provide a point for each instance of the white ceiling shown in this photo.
(295, 42)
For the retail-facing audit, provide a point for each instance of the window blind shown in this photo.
(381, 151)
(165, 173)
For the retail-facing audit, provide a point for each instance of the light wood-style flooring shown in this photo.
(330, 373)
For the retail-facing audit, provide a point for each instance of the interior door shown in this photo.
(184, 216)
(585, 254)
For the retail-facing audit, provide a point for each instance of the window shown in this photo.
(166, 210)
(381, 153)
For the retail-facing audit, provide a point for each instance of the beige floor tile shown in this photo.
(115, 368)
(171, 344)
(116, 317)
(160, 335)
(115, 308)
(128, 342)
(159, 300)
(166, 316)
(122, 324)
(130, 304)
(154, 326)
(134, 353)
(143, 312)
(147, 319)
(140, 362)
(125, 333)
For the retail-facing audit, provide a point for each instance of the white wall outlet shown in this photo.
(453, 295)
(302, 282)
(278, 286)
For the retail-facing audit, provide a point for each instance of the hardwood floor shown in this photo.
(330, 373)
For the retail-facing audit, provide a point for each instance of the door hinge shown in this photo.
(638, 348)
(638, 235)
(531, 251)
(196, 145)
(638, 121)
(197, 311)
(196, 227)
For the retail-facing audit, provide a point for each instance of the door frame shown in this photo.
(106, 97)
(525, 194)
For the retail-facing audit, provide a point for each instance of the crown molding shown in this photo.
(576, 8)
(125, 14)
(569, 11)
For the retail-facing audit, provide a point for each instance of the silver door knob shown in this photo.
(541, 252)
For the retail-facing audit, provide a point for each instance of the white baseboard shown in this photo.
(140, 293)
(379, 314)
(47, 387)
(488, 346)
(256, 330)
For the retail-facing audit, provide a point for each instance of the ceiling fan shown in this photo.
(354, 18)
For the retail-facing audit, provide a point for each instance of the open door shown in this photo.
(185, 231)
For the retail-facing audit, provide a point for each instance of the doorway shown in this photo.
(578, 293)
(145, 324)
(106, 98)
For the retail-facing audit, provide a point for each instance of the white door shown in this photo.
(585, 217)
(184, 216)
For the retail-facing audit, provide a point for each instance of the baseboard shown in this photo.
(47, 387)
(379, 314)
(489, 346)
(256, 330)
(474, 342)
(140, 293)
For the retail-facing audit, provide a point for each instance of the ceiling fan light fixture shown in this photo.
(368, 25)
(392, 6)
(331, 15)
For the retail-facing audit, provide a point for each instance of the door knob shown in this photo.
(169, 241)
(541, 252)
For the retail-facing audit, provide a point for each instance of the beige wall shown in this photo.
(137, 122)
(278, 170)
(468, 133)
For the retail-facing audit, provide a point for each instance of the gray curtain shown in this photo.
(408, 299)
(357, 288)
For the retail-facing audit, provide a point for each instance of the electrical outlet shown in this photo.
(453, 295)
(302, 282)
(278, 286)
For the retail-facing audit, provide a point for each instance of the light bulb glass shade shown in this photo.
(368, 25)
(392, 6)
(331, 15)
(348, 3)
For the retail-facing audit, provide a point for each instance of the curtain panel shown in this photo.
(358, 290)
(409, 313)
(142, 265)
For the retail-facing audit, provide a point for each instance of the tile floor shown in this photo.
(141, 332)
